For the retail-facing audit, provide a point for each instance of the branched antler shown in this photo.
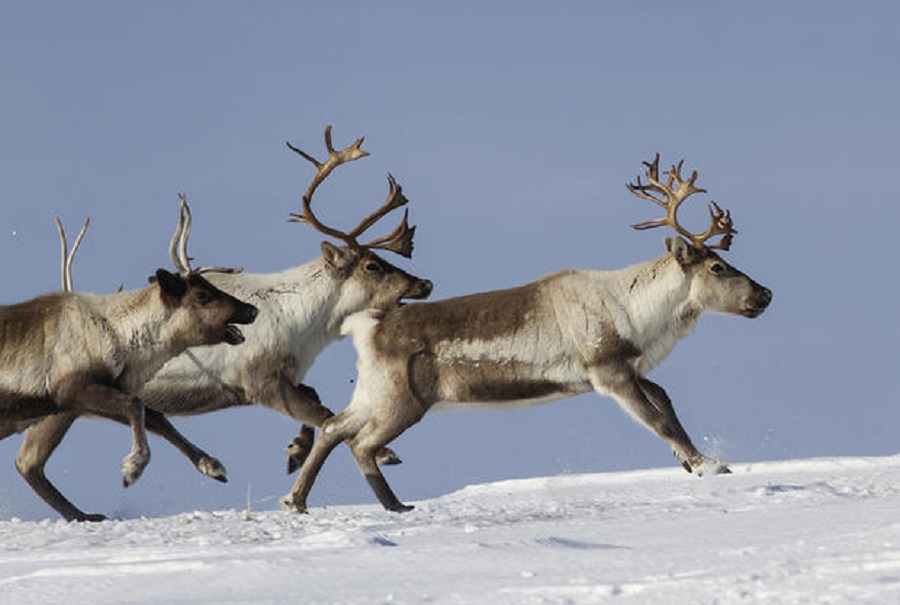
(178, 244)
(68, 257)
(674, 192)
(400, 240)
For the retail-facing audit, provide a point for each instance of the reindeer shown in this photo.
(568, 333)
(8, 428)
(67, 353)
(302, 309)
(43, 435)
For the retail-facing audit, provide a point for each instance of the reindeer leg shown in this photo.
(649, 404)
(299, 448)
(41, 439)
(157, 423)
(364, 446)
(302, 403)
(295, 501)
(697, 465)
(95, 398)
(138, 458)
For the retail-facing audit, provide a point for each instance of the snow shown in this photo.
(799, 531)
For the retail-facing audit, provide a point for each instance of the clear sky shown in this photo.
(513, 128)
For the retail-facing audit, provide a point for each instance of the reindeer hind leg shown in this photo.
(302, 402)
(41, 440)
(371, 439)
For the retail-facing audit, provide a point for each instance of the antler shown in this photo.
(400, 240)
(720, 220)
(67, 257)
(178, 244)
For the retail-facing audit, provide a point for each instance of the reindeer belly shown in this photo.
(499, 404)
(15, 407)
(505, 384)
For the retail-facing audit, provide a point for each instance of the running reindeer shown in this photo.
(302, 309)
(568, 333)
(68, 353)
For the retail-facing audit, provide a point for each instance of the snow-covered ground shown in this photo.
(803, 531)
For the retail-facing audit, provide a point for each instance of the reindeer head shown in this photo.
(211, 314)
(715, 285)
(369, 280)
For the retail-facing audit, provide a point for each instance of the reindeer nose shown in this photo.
(249, 315)
(766, 296)
(427, 286)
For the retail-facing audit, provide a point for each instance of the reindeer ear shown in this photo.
(683, 251)
(170, 284)
(338, 257)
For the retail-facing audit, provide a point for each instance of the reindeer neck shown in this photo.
(657, 298)
(303, 300)
(142, 323)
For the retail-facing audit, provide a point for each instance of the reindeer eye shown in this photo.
(203, 297)
(717, 268)
(373, 267)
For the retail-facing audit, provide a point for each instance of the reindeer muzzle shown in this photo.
(247, 315)
(759, 302)
(421, 290)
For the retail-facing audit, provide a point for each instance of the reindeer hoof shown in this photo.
(91, 518)
(702, 465)
(295, 462)
(387, 457)
(401, 508)
(133, 467)
(289, 504)
(711, 467)
(213, 469)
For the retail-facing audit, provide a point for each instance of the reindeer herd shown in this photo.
(175, 348)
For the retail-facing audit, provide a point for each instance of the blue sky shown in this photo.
(513, 129)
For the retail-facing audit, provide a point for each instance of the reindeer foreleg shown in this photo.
(156, 422)
(695, 462)
(102, 400)
(329, 439)
(648, 403)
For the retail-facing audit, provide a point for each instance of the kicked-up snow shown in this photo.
(805, 531)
